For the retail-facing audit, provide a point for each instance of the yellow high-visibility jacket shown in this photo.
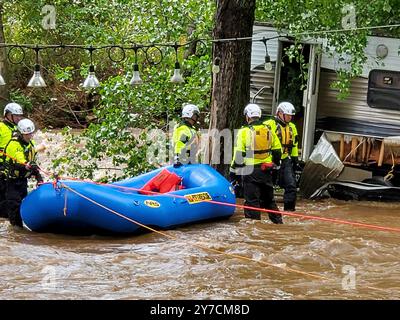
(287, 135)
(185, 138)
(19, 153)
(6, 131)
(255, 144)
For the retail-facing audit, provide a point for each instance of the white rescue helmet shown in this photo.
(286, 108)
(189, 110)
(26, 126)
(252, 110)
(13, 108)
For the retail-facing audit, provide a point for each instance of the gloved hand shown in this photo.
(40, 148)
(177, 164)
(275, 176)
(233, 177)
(296, 165)
(39, 178)
(32, 166)
(275, 167)
(236, 184)
(267, 166)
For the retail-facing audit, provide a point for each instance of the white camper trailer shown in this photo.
(363, 130)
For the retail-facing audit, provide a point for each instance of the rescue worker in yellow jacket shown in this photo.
(12, 114)
(186, 137)
(19, 166)
(287, 134)
(257, 151)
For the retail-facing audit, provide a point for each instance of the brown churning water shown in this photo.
(359, 263)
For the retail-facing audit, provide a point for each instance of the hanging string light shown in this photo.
(36, 81)
(267, 63)
(215, 66)
(177, 77)
(91, 81)
(136, 80)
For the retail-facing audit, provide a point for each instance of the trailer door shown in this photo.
(277, 79)
(310, 99)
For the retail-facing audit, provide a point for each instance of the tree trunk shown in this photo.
(3, 62)
(231, 86)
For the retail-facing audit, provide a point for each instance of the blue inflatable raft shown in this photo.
(75, 207)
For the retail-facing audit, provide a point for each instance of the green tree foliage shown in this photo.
(114, 110)
(302, 18)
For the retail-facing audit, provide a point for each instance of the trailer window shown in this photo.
(384, 89)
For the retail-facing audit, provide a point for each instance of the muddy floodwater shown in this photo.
(302, 259)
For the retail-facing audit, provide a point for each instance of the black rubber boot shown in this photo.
(13, 213)
(275, 218)
(256, 215)
(289, 206)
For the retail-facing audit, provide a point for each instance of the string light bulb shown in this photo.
(37, 80)
(177, 77)
(267, 62)
(215, 67)
(136, 80)
(91, 80)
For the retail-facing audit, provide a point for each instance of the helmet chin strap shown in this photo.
(191, 121)
(282, 121)
(7, 118)
(284, 118)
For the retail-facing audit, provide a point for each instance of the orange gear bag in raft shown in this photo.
(163, 182)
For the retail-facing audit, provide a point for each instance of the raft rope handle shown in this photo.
(319, 277)
(65, 203)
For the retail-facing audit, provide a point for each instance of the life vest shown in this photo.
(14, 159)
(261, 141)
(186, 140)
(285, 135)
(254, 145)
(163, 182)
(6, 132)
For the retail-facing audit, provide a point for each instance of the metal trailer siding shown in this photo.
(259, 77)
(390, 62)
(355, 106)
(330, 60)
